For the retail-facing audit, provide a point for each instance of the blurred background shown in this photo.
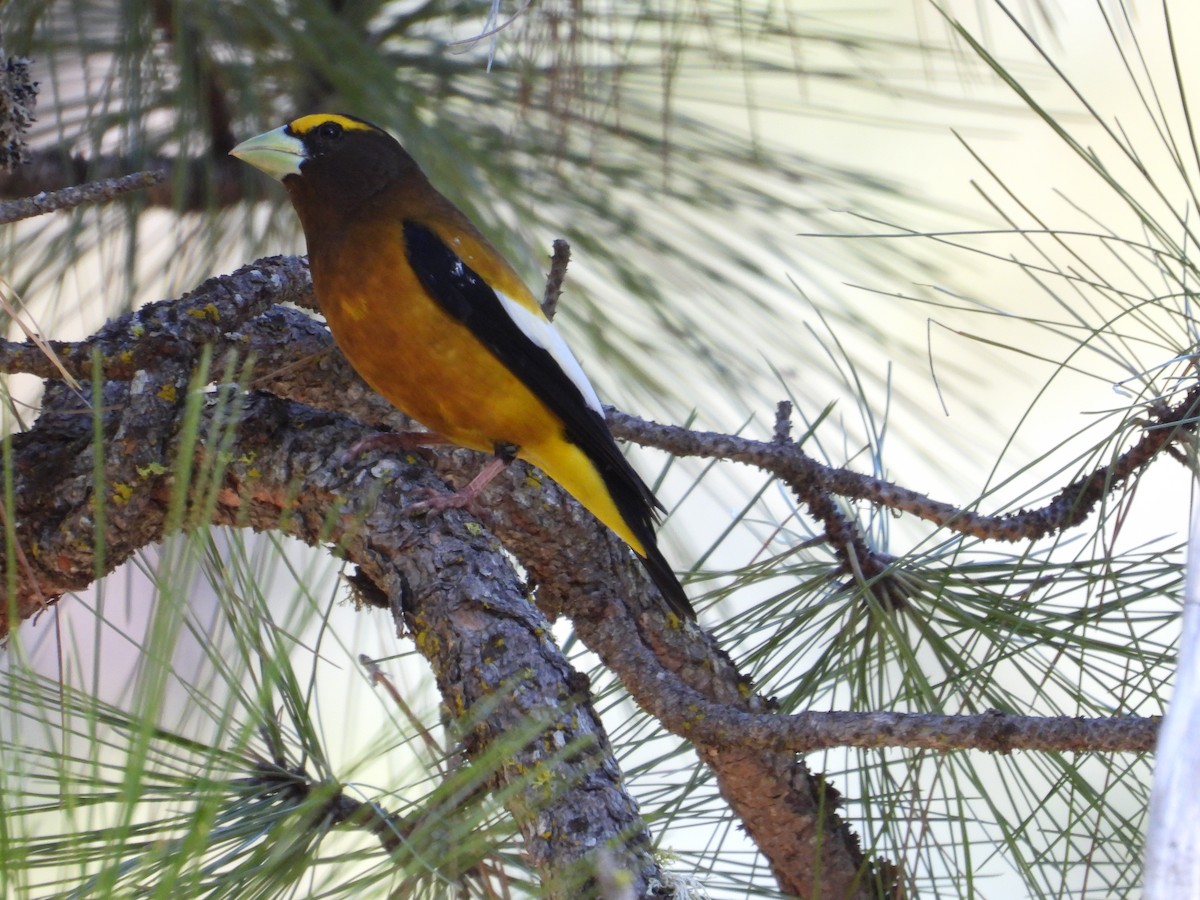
(959, 242)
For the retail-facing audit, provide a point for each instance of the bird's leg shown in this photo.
(465, 497)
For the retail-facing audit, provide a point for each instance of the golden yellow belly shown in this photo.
(427, 364)
(432, 368)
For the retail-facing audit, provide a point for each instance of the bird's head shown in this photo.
(328, 158)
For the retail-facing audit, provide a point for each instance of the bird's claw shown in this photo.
(435, 501)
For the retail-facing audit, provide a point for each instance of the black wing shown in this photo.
(468, 299)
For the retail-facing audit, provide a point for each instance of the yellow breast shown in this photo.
(413, 353)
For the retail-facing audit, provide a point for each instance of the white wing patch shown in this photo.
(539, 330)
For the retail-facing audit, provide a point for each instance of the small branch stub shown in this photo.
(559, 260)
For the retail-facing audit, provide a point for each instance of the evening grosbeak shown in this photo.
(436, 320)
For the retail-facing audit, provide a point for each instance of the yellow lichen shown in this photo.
(208, 311)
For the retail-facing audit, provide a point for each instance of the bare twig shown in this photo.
(69, 198)
(559, 260)
(378, 676)
(196, 184)
(783, 422)
(685, 711)
(1072, 505)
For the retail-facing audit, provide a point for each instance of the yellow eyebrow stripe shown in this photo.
(305, 124)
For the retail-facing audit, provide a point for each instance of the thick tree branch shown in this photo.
(512, 692)
(18, 97)
(79, 515)
(149, 357)
(288, 278)
(516, 698)
(784, 807)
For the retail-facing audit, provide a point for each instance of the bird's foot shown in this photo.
(464, 498)
(435, 501)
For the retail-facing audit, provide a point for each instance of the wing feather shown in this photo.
(530, 347)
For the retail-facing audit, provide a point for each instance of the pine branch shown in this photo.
(677, 673)
(1070, 507)
(69, 198)
(459, 595)
(187, 184)
(18, 97)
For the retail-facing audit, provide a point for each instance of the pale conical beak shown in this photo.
(277, 153)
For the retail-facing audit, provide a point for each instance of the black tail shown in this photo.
(664, 579)
(639, 508)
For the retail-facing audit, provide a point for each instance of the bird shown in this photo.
(436, 320)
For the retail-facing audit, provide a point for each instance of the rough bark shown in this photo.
(270, 463)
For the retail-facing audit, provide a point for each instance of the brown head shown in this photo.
(334, 163)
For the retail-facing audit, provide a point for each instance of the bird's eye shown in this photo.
(329, 130)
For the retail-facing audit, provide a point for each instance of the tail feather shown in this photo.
(638, 509)
(668, 585)
(600, 478)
